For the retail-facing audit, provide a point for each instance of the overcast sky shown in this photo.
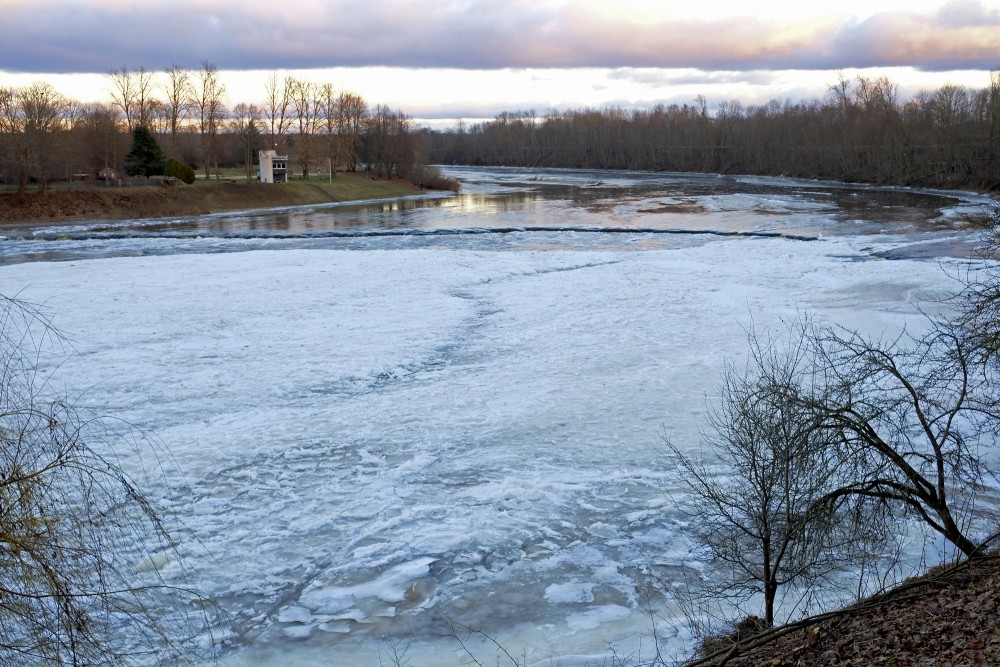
(475, 58)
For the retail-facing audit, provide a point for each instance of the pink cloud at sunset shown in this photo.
(474, 58)
(93, 36)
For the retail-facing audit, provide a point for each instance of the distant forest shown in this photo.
(861, 132)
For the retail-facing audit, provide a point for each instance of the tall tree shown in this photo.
(352, 115)
(12, 134)
(277, 105)
(992, 124)
(307, 109)
(179, 99)
(99, 128)
(391, 144)
(209, 102)
(132, 92)
(327, 100)
(42, 109)
(246, 125)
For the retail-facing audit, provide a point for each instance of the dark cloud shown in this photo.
(47, 36)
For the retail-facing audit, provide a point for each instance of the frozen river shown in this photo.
(383, 417)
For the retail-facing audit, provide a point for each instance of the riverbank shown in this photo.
(948, 616)
(201, 198)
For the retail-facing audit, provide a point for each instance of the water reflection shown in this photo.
(549, 199)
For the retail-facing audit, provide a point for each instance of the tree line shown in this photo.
(861, 131)
(46, 136)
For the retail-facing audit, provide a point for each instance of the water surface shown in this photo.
(524, 202)
(388, 416)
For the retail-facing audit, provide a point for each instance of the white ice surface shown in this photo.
(367, 442)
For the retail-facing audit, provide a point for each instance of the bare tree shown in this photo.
(73, 526)
(132, 92)
(246, 125)
(352, 115)
(390, 142)
(912, 418)
(822, 450)
(12, 133)
(754, 503)
(146, 103)
(45, 111)
(209, 101)
(328, 113)
(123, 93)
(101, 141)
(979, 301)
(307, 110)
(277, 104)
(992, 124)
(32, 117)
(179, 99)
(860, 131)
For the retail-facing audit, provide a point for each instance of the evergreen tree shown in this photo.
(145, 158)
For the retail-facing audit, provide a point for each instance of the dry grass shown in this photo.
(201, 198)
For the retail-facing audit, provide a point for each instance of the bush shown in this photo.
(179, 170)
(431, 178)
(73, 525)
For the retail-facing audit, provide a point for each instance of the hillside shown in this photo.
(949, 617)
(200, 198)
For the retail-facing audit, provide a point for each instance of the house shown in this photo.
(273, 167)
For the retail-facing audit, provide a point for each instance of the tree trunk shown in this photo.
(953, 534)
(770, 593)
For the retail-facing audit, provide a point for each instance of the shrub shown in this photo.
(431, 178)
(72, 526)
(179, 170)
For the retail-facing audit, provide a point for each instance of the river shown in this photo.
(384, 417)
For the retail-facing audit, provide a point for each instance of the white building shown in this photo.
(273, 167)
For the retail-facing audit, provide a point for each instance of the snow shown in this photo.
(368, 437)
(594, 617)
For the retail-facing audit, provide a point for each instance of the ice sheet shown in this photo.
(367, 443)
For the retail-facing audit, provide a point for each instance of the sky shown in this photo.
(447, 59)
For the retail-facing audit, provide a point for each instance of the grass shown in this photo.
(317, 190)
(231, 192)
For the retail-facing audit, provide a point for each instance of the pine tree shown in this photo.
(145, 158)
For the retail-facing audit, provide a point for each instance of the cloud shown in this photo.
(656, 78)
(966, 14)
(963, 35)
(50, 36)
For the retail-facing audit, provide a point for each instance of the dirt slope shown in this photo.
(950, 617)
